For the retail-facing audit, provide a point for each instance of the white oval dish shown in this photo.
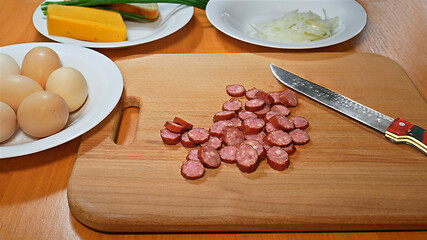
(172, 18)
(234, 18)
(105, 86)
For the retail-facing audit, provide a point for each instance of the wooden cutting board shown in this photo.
(348, 177)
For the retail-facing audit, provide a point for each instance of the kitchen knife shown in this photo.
(396, 130)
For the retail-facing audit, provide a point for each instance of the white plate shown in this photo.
(234, 17)
(105, 86)
(172, 18)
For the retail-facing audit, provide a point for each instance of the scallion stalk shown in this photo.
(98, 3)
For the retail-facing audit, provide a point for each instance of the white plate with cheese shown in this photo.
(172, 18)
(236, 18)
(105, 86)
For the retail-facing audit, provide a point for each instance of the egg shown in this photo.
(70, 84)
(42, 114)
(14, 88)
(39, 63)
(7, 122)
(8, 65)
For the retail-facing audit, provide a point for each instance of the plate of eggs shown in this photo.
(51, 93)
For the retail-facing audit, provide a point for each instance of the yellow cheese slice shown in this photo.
(83, 23)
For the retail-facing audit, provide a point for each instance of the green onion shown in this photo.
(98, 4)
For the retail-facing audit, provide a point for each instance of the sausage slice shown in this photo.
(278, 138)
(233, 104)
(192, 169)
(288, 98)
(247, 158)
(232, 136)
(235, 90)
(299, 136)
(224, 115)
(255, 104)
(186, 142)
(228, 154)
(281, 122)
(182, 122)
(277, 158)
(198, 135)
(170, 138)
(209, 157)
(253, 125)
(299, 122)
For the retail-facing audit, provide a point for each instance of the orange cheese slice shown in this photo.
(83, 23)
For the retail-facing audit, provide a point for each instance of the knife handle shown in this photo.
(402, 131)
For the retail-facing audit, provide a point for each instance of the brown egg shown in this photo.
(70, 84)
(7, 122)
(39, 63)
(15, 88)
(42, 114)
(8, 65)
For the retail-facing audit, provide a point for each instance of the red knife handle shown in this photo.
(402, 131)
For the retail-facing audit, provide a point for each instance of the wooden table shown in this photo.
(33, 188)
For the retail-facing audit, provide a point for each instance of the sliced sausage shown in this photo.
(258, 146)
(277, 158)
(233, 104)
(299, 122)
(269, 127)
(255, 104)
(186, 142)
(281, 109)
(198, 135)
(299, 136)
(217, 128)
(245, 115)
(209, 157)
(228, 154)
(268, 99)
(174, 127)
(232, 136)
(224, 115)
(236, 122)
(278, 138)
(192, 169)
(247, 158)
(283, 123)
(235, 90)
(250, 94)
(193, 154)
(269, 115)
(259, 136)
(288, 98)
(214, 142)
(170, 138)
(253, 125)
(290, 148)
(275, 96)
(183, 123)
(261, 113)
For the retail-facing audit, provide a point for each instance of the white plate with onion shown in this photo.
(255, 21)
(105, 85)
(172, 18)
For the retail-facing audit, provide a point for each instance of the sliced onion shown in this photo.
(296, 27)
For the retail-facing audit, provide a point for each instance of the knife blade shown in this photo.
(395, 130)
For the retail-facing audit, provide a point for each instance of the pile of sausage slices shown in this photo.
(242, 133)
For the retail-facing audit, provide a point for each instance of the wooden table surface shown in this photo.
(33, 188)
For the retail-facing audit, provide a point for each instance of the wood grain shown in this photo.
(348, 177)
(33, 196)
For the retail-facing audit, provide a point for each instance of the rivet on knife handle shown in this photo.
(402, 131)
